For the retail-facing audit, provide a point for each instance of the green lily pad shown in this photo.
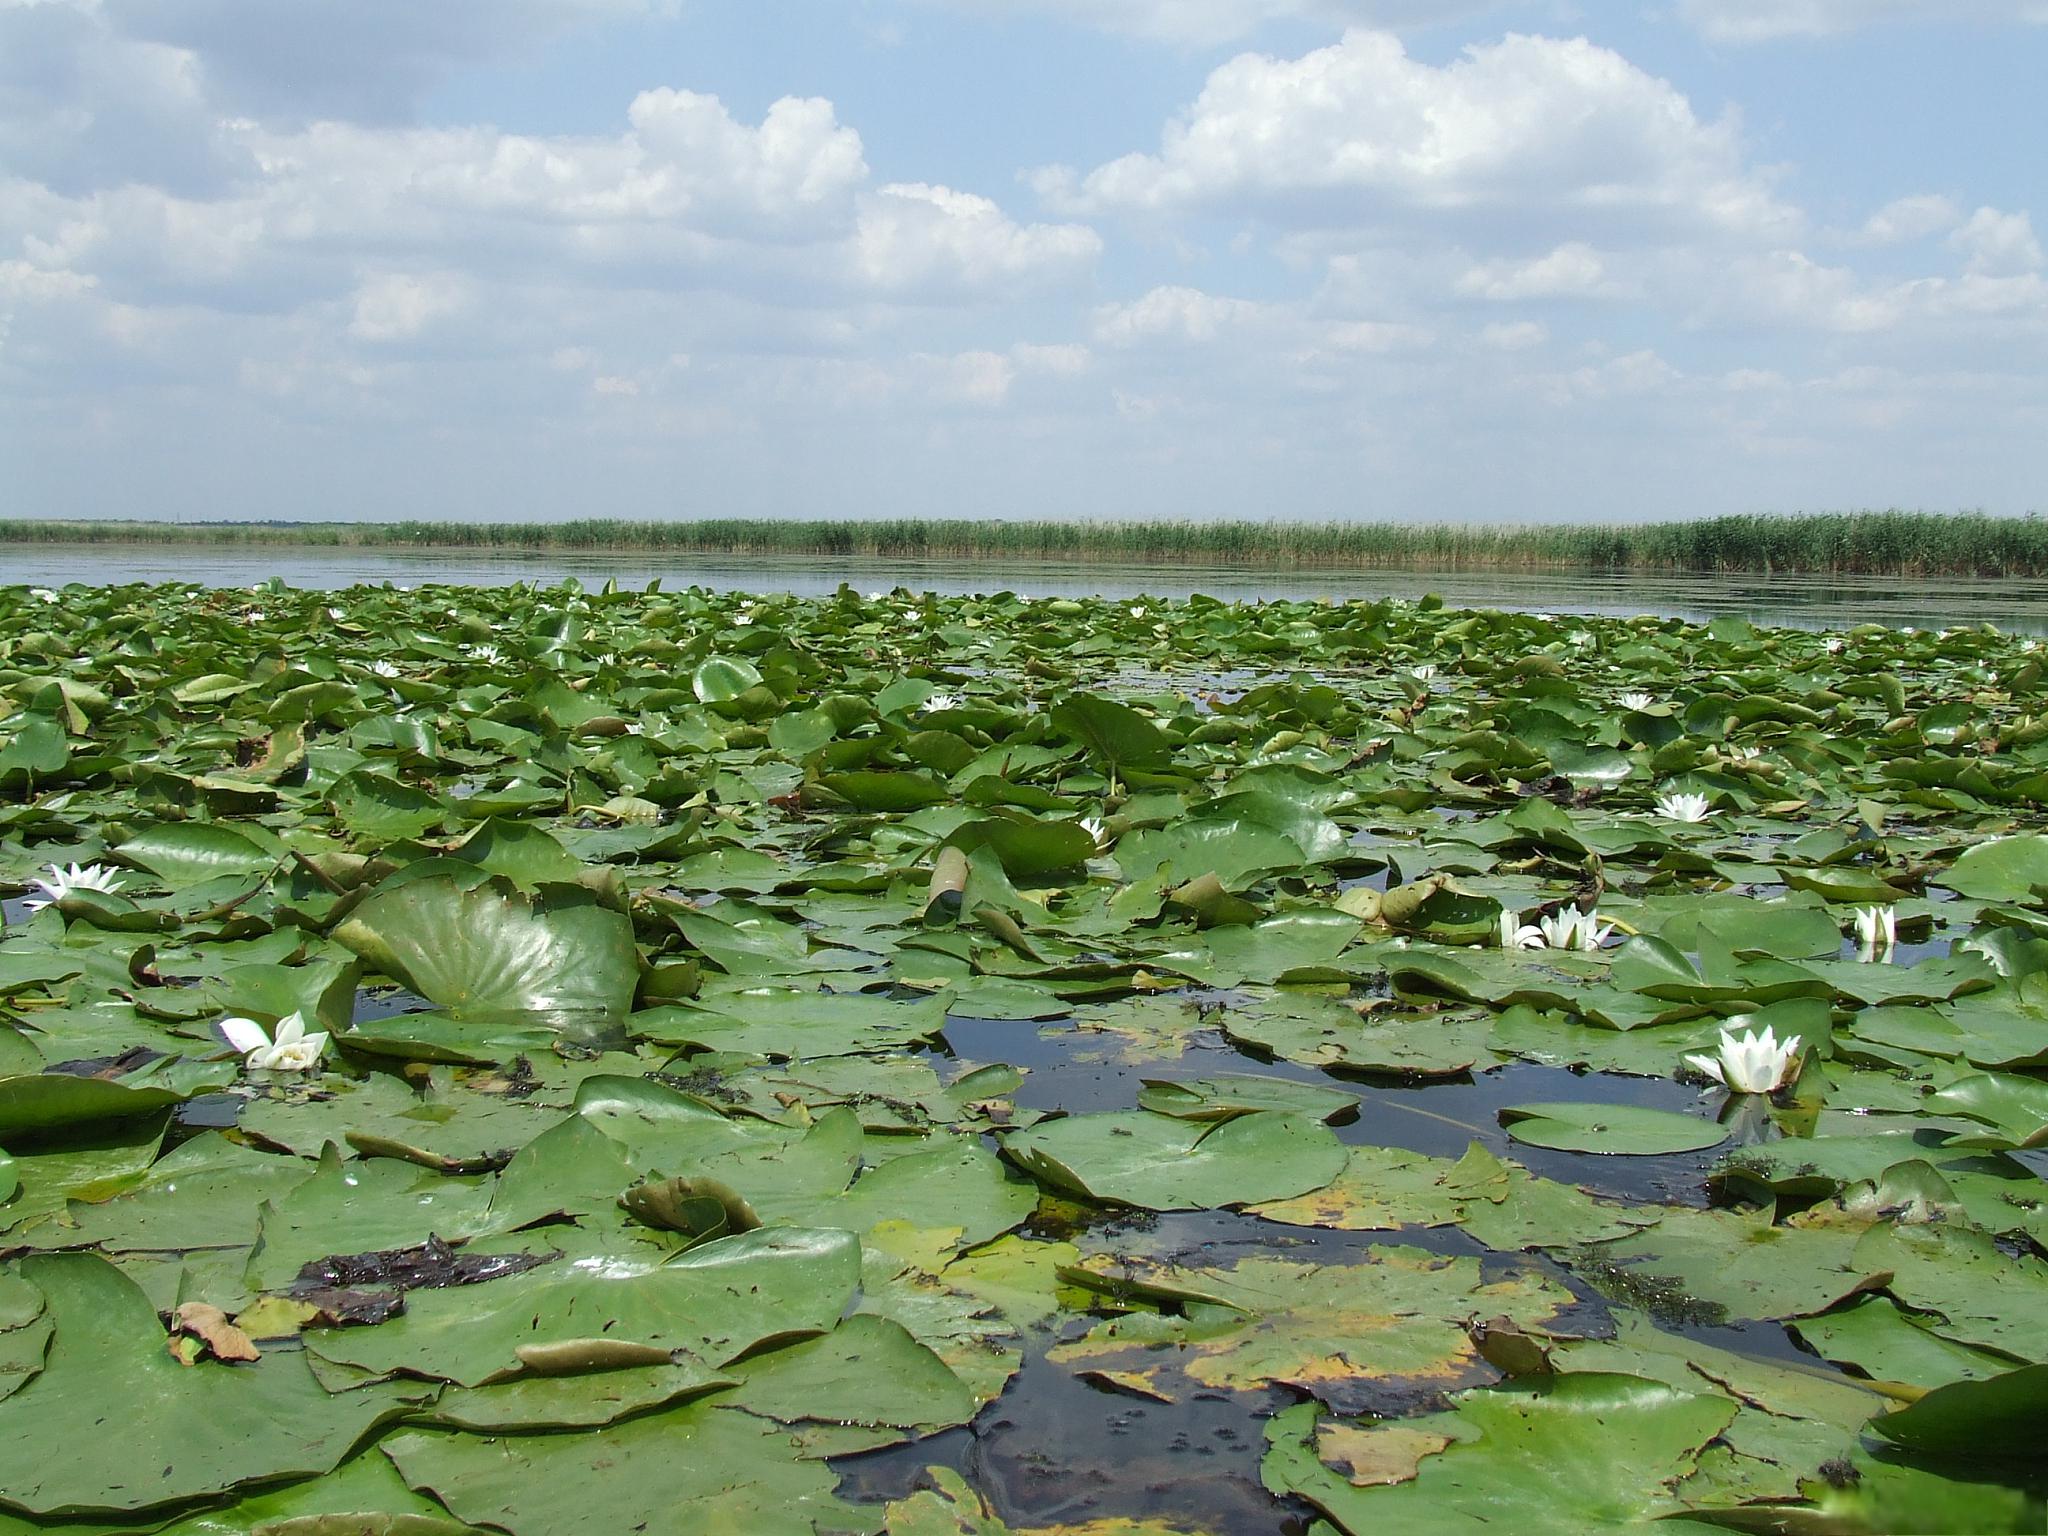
(492, 946)
(1168, 1164)
(1998, 1418)
(1616, 1130)
(1388, 1329)
(1603, 1450)
(715, 1303)
(200, 1429)
(48, 1101)
(1238, 1093)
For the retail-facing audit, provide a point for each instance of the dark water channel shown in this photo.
(1061, 1447)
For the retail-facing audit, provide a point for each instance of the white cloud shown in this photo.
(361, 59)
(921, 240)
(1205, 22)
(21, 281)
(1751, 21)
(1360, 134)
(1061, 360)
(1790, 291)
(397, 306)
(1641, 372)
(1907, 219)
(1514, 335)
(239, 238)
(1572, 271)
(688, 195)
(1171, 314)
(1376, 336)
(977, 378)
(1995, 244)
(694, 158)
(82, 106)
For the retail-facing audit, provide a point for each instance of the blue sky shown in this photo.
(1375, 259)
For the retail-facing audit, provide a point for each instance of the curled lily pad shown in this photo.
(1998, 1418)
(48, 1101)
(493, 946)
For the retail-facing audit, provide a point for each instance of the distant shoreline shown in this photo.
(1890, 543)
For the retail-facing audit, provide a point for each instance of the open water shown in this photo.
(1809, 602)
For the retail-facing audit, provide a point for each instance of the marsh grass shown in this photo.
(1851, 543)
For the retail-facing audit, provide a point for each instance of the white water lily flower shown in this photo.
(1516, 934)
(1573, 929)
(62, 882)
(1684, 807)
(486, 653)
(1834, 645)
(1422, 674)
(1138, 612)
(254, 615)
(1877, 932)
(939, 702)
(42, 594)
(1636, 701)
(743, 618)
(1093, 826)
(290, 1050)
(383, 668)
(1753, 1063)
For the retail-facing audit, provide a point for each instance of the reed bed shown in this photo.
(1848, 543)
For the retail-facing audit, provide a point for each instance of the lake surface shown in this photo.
(1810, 602)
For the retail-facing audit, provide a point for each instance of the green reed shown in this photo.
(1850, 543)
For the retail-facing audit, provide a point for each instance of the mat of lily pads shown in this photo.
(543, 1061)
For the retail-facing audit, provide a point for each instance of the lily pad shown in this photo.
(492, 946)
(1169, 1164)
(1616, 1130)
(199, 1429)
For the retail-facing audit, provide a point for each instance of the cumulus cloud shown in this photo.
(1360, 134)
(1572, 271)
(1293, 334)
(688, 194)
(1791, 291)
(916, 238)
(1202, 22)
(83, 106)
(368, 60)
(1375, 336)
(397, 306)
(1060, 359)
(1513, 335)
(1752, 21)
(1995, 244)
(1172, 314)
(1906, 219)
(233, 243)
